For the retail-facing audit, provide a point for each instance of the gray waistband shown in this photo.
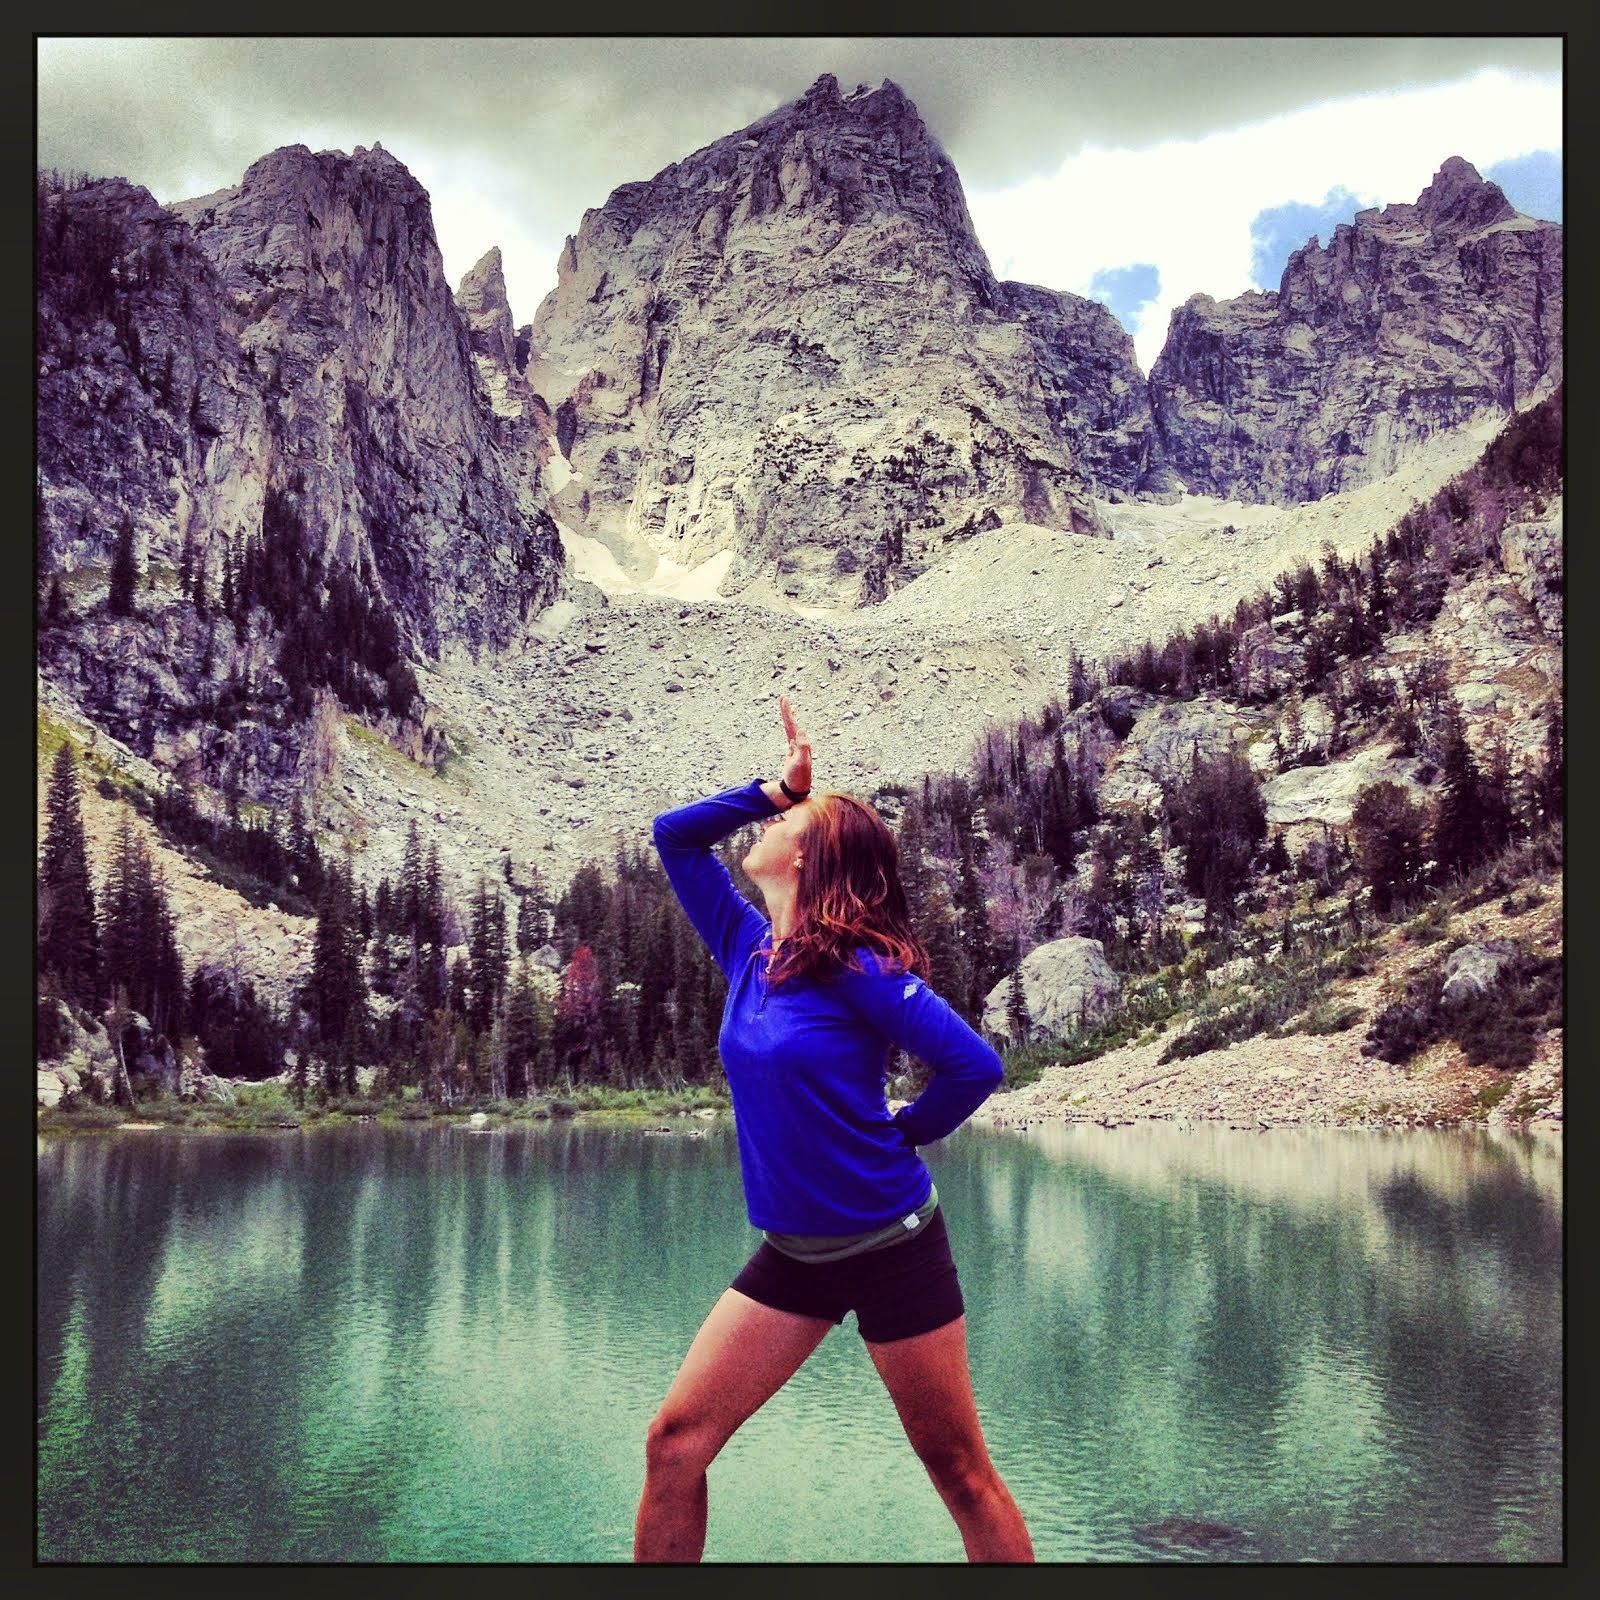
(819, 1247)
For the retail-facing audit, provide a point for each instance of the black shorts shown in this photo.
(896, 1291)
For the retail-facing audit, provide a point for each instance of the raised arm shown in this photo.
(722, 916)
(728, 923)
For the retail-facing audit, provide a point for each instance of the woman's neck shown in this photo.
(780, 911)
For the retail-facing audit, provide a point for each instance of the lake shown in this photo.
(428, 1344)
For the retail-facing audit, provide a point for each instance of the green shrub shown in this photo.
(1502, 1027)
(1325, 1017)
(1491, 1094)
(1407, 1026)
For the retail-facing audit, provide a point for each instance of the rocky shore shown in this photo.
(1317, 1079)
(1302, 1080)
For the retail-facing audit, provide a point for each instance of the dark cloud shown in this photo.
(571, 118)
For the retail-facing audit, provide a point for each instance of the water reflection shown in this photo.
(422, 1344)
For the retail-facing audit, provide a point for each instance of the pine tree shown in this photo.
(164, 966)
(1219, 817)
(139, 951)
(489, 955)
(1017, 1018)
(1495, 793)
(527, 1035)
(304, 857)
(578, 1006)
(124, 571)
(336, 992)
(972, 931)
(1458, 831)
(1059, 819)
(1389, 832)
(69, 943)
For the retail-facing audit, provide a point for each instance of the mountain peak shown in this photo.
(482, 301)
(1458, 198)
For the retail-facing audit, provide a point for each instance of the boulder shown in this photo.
(1064, 983)
(1474, 969)
(1328, 794)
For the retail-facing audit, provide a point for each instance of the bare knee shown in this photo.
(963, 1475)
(677, 1443)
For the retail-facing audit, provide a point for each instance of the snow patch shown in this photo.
(593, 562)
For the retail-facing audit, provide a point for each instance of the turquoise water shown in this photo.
(429, 1345)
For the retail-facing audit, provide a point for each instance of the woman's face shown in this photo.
(773, 857)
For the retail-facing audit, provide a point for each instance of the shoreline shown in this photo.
(1301, 1080)
(1255, 1085)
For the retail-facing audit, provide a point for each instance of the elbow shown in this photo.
(994, 1073)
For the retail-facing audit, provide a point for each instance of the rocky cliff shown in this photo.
(788, 350)
(1412, 321)
(270, 397)
(790, 346)
(377, 404)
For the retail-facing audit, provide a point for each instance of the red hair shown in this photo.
(849, 896)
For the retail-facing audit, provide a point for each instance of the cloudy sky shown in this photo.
(1139, 171)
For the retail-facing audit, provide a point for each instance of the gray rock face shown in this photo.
(286, 353)
(1474, 969)
(1164, 739)
(482, 301)
(1411, 321)
(1533, 554)
(384, 444)
(145, 403)
(790, 345)
(1093, 389)
(1266, 657)
(1328, 794)
(1064, 983)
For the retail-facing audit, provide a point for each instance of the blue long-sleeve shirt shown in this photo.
(807, 1060)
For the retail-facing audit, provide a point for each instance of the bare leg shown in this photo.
(743, 1354)
(928, 1379)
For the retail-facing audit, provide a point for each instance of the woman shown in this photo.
(816, 998)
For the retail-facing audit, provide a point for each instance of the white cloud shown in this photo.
(1186, 207)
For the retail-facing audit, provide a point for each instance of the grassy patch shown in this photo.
(648, 1102)
(359, 733)
(1146, 1005)
(1327, 1017)
(1285, 995)
(1429, 925)
(83, 1116)
(1491, 1094)
(49, 737)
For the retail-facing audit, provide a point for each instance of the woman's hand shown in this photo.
(797, 767)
